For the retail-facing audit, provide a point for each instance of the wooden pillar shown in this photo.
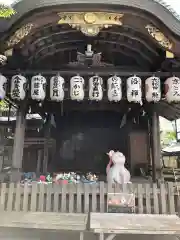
(39, 158)
(1, 163)
(2, 144)
(46, 144)
(18, 147)
(156, 145)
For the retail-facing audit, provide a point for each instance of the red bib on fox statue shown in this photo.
(117, 173)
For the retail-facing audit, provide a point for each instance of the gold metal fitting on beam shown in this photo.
(90, 23)
(169, 55)
(159, 37)
(20, 34)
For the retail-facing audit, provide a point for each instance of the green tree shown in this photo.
(4, 106)
(167, 137)
(6, 11)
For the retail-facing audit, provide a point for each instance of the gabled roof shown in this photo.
(166, 11)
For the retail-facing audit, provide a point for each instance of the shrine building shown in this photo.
(98, 74)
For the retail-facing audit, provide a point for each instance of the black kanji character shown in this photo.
(55, 92)
(115, 94)
(95, 94)
(134, 93)
(36, 92)
(16, 93)
(134, 81)
(155, 95)
(155, 84)
(75, 93)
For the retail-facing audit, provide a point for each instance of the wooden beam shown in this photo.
(90, 71)
(68, 44)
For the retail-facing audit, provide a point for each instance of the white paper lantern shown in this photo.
(18, 87)
(134, 91)
(95, 88)
(172, 89)
(57, 88)
(114, 89)
(77, 88)
(3, 85)
(38, 88)
(153, 89)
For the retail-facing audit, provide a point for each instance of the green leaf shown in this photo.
(6, 12)
(4, 106)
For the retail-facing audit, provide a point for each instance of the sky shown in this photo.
(175, 4)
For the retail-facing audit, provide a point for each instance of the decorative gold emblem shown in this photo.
(20, 34)
(159, 37)
(169, 54)
(90, 18)
(90, 23)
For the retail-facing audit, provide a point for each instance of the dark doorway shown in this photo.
(84, 138)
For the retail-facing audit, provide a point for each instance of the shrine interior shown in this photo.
(84, 137)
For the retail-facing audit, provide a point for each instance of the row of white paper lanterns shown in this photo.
(114, 93)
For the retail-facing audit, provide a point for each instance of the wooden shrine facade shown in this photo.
(79, 51)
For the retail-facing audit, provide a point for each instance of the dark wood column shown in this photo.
(156, 145)
(47, 136)
(18, 147)
(39, 158)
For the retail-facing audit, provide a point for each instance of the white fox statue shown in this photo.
(117, 173)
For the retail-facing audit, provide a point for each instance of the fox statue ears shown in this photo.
(110, 153)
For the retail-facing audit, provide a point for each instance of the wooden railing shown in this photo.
(82, 198)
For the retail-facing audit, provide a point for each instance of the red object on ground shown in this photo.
(42, 178)
(64, 181)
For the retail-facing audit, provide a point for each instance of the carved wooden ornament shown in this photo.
(159, 37)
(20, 34)
(90, 23)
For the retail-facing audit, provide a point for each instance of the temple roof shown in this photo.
(173, 6)
(135, 45)
(166, 11)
